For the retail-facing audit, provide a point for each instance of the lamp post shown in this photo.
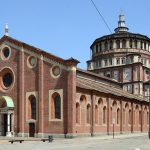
(113, 127)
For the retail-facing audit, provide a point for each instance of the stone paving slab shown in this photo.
(121, 142)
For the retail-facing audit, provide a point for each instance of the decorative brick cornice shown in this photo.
(68, 62)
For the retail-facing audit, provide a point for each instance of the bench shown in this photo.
(44, 140)
(12, 141)
(50, 139)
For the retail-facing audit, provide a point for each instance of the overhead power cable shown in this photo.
(101, 16)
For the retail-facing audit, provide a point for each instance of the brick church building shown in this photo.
(42, 94)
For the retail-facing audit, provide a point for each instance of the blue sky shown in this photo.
(67, 28)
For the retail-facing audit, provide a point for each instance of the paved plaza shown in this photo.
(123, 142)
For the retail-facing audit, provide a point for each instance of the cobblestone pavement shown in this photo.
(125, 142)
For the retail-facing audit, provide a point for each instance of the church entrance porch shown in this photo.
(6, 116)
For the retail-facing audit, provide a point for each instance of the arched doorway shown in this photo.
(6, 116)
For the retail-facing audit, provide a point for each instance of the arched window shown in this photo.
(56, 106)
(82, 98)
(100, 105)
(124, 116)
(100, 101)
(111, 45)
(123, 43)
(135, 43)
(145, 45)
(142, 45)
(118, 116)
(32, 107)
(123, 60)
(131, 46)
(130, 117)
(126, 113)
(96, 48)
(100, 47)
(104, 115)
(106, 45)
(96, 114)
(88, 116)
(77, 113)
(140, 117)
(136, 114)
(118, 44)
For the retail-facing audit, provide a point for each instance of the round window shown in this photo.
(7, 79)
(32, 61)
(56, 71)
(5, 53)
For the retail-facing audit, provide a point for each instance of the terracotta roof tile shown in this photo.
(92, 85)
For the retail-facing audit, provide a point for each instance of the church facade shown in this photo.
(42, 94)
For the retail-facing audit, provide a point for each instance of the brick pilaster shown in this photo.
(121, 117)
(71, 102)
(132, 117)
(141, 118)
(21, 100)
(108, 120)
(41, 98)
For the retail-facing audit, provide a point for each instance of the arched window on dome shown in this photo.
(142, 45)
(106, 45)
(135, 43)
(117, 44)
(123, 43)
(145, 45)
(100, 47)
(111, 45)
(130, 43)
(96, 49)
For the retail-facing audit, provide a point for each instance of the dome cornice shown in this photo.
(121, 35)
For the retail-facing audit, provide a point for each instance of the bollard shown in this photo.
(50, 138)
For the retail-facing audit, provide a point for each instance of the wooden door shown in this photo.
(5, 124)
(31, 129)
